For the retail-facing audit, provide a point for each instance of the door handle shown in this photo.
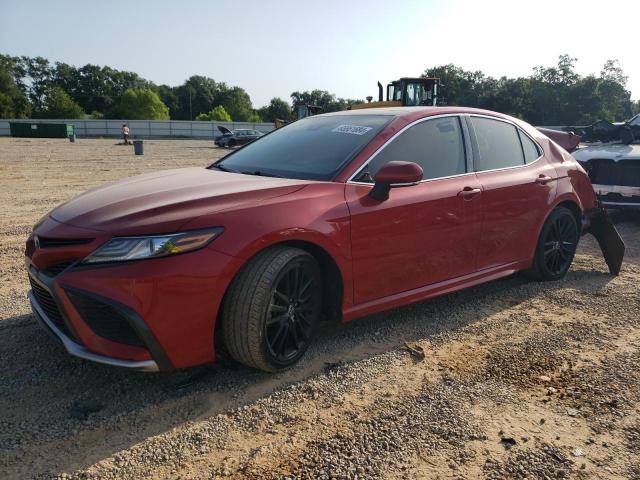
(543, 179)
(467, 193)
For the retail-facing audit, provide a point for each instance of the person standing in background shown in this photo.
(125, 133)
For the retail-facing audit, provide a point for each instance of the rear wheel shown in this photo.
(556, 246)
(272, 308)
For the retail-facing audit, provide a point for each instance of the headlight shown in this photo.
(122, 249)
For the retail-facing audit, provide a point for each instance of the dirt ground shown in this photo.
(520, 379)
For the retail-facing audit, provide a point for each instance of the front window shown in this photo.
(413, 95)
(436, 145)
(314, 148)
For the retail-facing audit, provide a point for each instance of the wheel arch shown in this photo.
(567, 201)
(573, 206)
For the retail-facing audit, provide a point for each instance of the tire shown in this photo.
(272, 308)
(556, 246)
(231, 143)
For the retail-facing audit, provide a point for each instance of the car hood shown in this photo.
(162, 202)
(224, 130)
(615, 152)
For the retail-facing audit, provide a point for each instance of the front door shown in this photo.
(422, 234)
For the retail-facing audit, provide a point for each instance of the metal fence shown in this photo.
(144, 128)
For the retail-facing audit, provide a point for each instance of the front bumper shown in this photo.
(169, 304)
(618, 196)
(79, 351)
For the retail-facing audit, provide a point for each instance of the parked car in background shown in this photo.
(237, 137)
(334, 216)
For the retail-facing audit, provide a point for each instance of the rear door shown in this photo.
(518, 186)
(241, 136)
(421, 234)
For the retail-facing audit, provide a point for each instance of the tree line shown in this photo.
(37, 88)
(557, 95)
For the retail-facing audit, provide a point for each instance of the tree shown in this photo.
(16, 68)
(58, 104)
(236, 101)
(196, 95)
(169, 97)
(277, 108)
(321, 98)
(142, 104)
(13, 102)
(255, 118)
(611, 71)
(217, 114)
(38, 73)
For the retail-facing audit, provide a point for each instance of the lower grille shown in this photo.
(49, 306)
(105, 320)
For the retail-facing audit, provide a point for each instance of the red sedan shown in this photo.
(335, 216)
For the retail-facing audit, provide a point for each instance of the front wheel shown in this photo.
(556, 246)
(272, 308)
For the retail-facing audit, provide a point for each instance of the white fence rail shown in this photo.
(144, 128)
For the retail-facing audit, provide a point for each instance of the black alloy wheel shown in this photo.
(292, 311)
(556, 246)
(560, 245)
(272, 308)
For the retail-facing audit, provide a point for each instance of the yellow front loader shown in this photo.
(405, 92)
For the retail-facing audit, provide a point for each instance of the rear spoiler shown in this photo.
(567, 140)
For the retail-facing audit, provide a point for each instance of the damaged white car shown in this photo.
(614, 170)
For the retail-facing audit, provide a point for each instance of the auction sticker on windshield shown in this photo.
(352, 129)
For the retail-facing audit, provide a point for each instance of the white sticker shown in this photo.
(352, 129)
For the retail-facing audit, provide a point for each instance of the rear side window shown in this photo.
(531, 150)
(436, 145)
(498, 144)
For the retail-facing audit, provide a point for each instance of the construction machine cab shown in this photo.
(413, 92)
(405, 92)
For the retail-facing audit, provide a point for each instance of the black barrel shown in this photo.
(138, 147)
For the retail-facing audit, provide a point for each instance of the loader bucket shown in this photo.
(609, 239)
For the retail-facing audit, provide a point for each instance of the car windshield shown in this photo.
(314, 148)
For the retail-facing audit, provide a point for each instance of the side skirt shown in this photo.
(433, 290)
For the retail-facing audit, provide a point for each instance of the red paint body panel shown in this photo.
(513, 207)
(413, 228)
(425, 240)
(181, 294)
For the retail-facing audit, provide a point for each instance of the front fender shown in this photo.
(316, 214)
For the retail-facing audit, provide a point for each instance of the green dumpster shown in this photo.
(42, 130)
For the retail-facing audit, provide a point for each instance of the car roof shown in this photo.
(415, 111)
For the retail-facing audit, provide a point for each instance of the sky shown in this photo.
(272, 48)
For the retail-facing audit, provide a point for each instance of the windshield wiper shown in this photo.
(262, 174)
(223, 168)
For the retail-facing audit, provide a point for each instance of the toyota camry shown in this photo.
(335, 217)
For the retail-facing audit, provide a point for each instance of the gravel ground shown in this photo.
(520, 379)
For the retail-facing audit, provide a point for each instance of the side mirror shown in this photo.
(395, 174)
